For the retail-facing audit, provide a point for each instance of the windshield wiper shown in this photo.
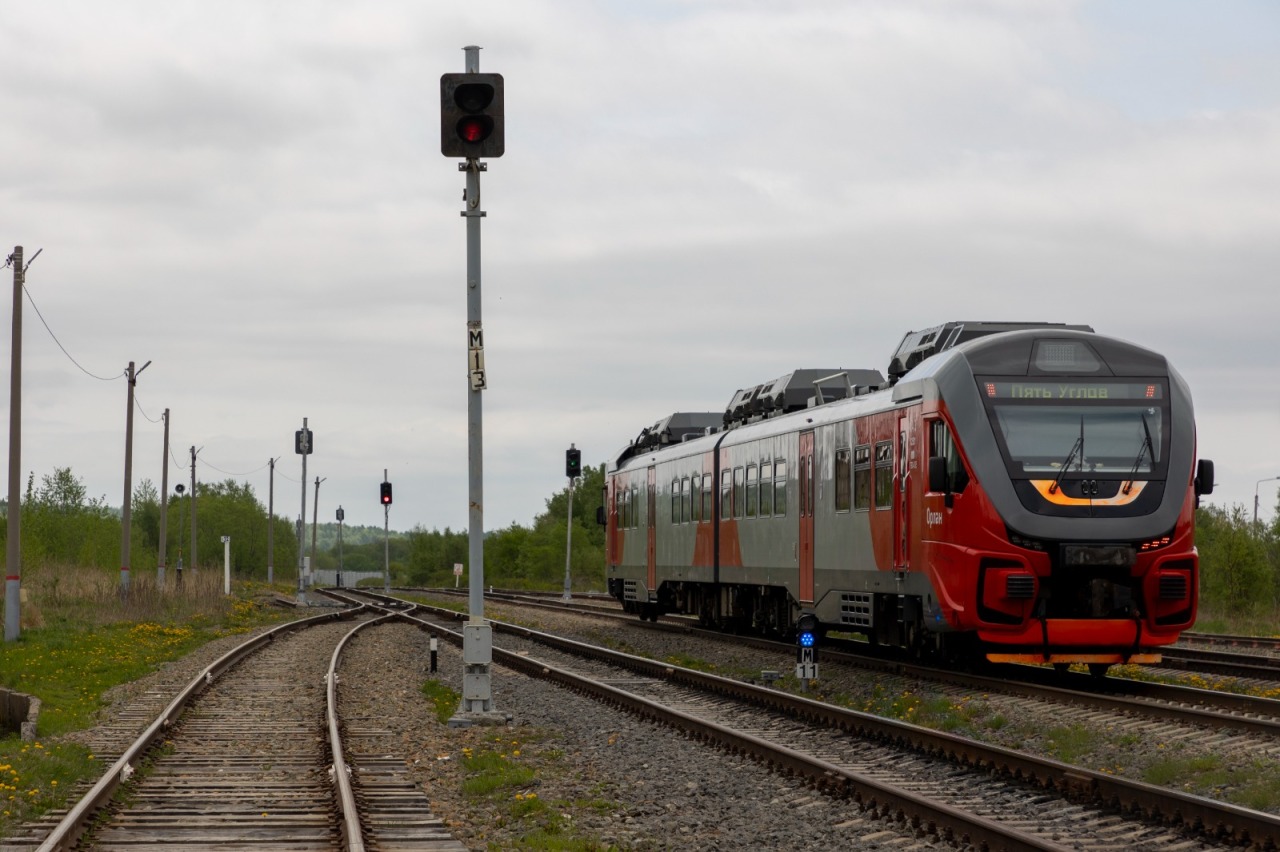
(1077, 447)
(1147, 445)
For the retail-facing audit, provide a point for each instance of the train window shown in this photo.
(942, 444)
(753, 490)
(675, 500)
(695, 498)
(685, 501)
(862, 477)
(843, 479)
(635, 505)
(708, 502)
(766, 489)
(779, 487)
(726, 495)
(884, 475)
(739, 492)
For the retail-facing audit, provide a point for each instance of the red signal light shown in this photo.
(475, 128)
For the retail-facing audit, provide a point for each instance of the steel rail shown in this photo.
(1225, 663)
(1196, 813)
(944, 820)
(73, 825)
(1269, 642)
(348, 809)
(1156, 700)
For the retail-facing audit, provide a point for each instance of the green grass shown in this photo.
(444, 700)
(1255, 784)
(1070, 744)
(79, 653)
(1208, 621)
(502, 772)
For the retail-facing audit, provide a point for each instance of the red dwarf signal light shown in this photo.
(471, 115)
(475, 128)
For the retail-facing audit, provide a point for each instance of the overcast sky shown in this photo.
(695, 197)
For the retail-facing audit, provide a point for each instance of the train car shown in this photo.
(1023, 492)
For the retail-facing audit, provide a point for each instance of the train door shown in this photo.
(806, 517)
(651, 507)
(901, 515)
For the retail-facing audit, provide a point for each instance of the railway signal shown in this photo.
(807, 649)
(386, 494)
(472, 124)
(573, 462)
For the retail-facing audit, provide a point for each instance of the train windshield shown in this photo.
(1107, 430)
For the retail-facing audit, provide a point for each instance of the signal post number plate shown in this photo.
(475, 359)
(806, 671)
(807, 668)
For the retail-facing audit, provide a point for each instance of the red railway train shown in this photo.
(1015, 491)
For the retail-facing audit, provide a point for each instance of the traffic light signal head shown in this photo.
(572, 462)
(386, 493)
(807, 631)
(471, 116)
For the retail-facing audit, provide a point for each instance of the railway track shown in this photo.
(253, 755)
(1006, 799)
(1185, 704)
(1196, 652)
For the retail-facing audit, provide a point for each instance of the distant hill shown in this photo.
(352, 534)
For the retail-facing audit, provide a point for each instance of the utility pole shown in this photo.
(1255, 495)
(192, 560)
(315, 514)
(13, 545)
(126, 508)
(271, 522)
(164, 506)
(302, 446)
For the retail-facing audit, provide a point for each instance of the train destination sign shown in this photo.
(1072, 390)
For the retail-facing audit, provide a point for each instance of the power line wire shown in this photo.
(228, 472)
(59, 342)
(137, 403)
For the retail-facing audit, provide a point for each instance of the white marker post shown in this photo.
(226, 564)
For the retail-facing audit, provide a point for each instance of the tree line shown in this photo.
(61, 525)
